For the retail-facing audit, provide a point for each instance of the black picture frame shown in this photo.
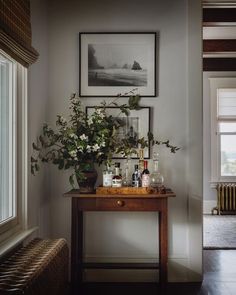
(140, 120)
(111, 63)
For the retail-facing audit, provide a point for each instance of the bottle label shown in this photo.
(116, 182)
(145, 180)
(136, 183)
(107, 179)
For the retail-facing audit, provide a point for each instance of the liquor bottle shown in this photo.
(145, 175)
(107, 176)
(156, 178)
(141, 161)
(126, 179)
(136, 181)
(117, 178)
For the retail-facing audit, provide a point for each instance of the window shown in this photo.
(13, 118)
(223, 129)
(7, 140)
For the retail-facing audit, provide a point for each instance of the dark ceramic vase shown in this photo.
(86, 185)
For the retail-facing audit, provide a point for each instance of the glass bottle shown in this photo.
(141, 160)
(117, 178)
(156, 178)
(136, 181)
(107, 176)
(126, 180)
(145, 175)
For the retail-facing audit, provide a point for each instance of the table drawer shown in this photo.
(126, 204)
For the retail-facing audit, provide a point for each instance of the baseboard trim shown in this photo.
(208, 206)
(178, 271)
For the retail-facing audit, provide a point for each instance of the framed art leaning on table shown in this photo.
(134, 126)
(113, 63)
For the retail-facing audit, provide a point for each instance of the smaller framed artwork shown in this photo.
(114, 63)
(136, 125)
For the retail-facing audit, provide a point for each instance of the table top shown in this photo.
(74, 193)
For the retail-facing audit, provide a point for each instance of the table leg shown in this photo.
(163, 244)
(76, 247)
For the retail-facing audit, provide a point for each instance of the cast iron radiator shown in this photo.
(226, 199)
(39, 268)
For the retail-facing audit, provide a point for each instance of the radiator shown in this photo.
(40, 268)
(226, 199)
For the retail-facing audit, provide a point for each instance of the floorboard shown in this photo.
(219, 279)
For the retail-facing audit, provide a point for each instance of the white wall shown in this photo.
(127, 236)
(38, 96)
(195, 139)
(209, 194)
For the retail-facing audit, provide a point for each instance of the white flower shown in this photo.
(90, 121)
(62, 120)
(83, 137)
(103, 144)
(89, 148)
(73, 153)
(80, 148)
(96, 147)
(100, 112)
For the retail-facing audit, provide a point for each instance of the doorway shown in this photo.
(219, 126)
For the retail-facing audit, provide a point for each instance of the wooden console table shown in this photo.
(99, 202)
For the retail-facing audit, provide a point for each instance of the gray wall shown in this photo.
(38, 99)
(128, 236)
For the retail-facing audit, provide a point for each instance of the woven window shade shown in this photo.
(15, 31)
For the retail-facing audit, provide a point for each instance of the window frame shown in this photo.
(215, 85)
(19, 222)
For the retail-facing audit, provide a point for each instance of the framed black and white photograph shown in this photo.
(135, 126)
(114, 63)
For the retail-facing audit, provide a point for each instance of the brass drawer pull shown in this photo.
(120, 203)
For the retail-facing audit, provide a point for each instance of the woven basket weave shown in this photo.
(41, 267)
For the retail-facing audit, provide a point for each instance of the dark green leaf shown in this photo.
(36, 166)
(67, 165)
(41, 140)
(150, 136)
(35, 147)
(134, 102)
(71, 180)
(61, 164)
(125, 111)
(32, 170)
(33, 160)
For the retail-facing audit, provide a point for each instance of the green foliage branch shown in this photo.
(83, 140)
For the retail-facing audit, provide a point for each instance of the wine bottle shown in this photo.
(145, 175)
(136, 181)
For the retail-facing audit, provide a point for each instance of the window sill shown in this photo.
(213, 184)
(15, 240)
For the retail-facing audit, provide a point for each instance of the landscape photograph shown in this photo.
(117, 65)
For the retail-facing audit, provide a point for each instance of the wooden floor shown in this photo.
(219, 279)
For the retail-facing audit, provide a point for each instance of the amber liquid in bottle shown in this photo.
(117, 178)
